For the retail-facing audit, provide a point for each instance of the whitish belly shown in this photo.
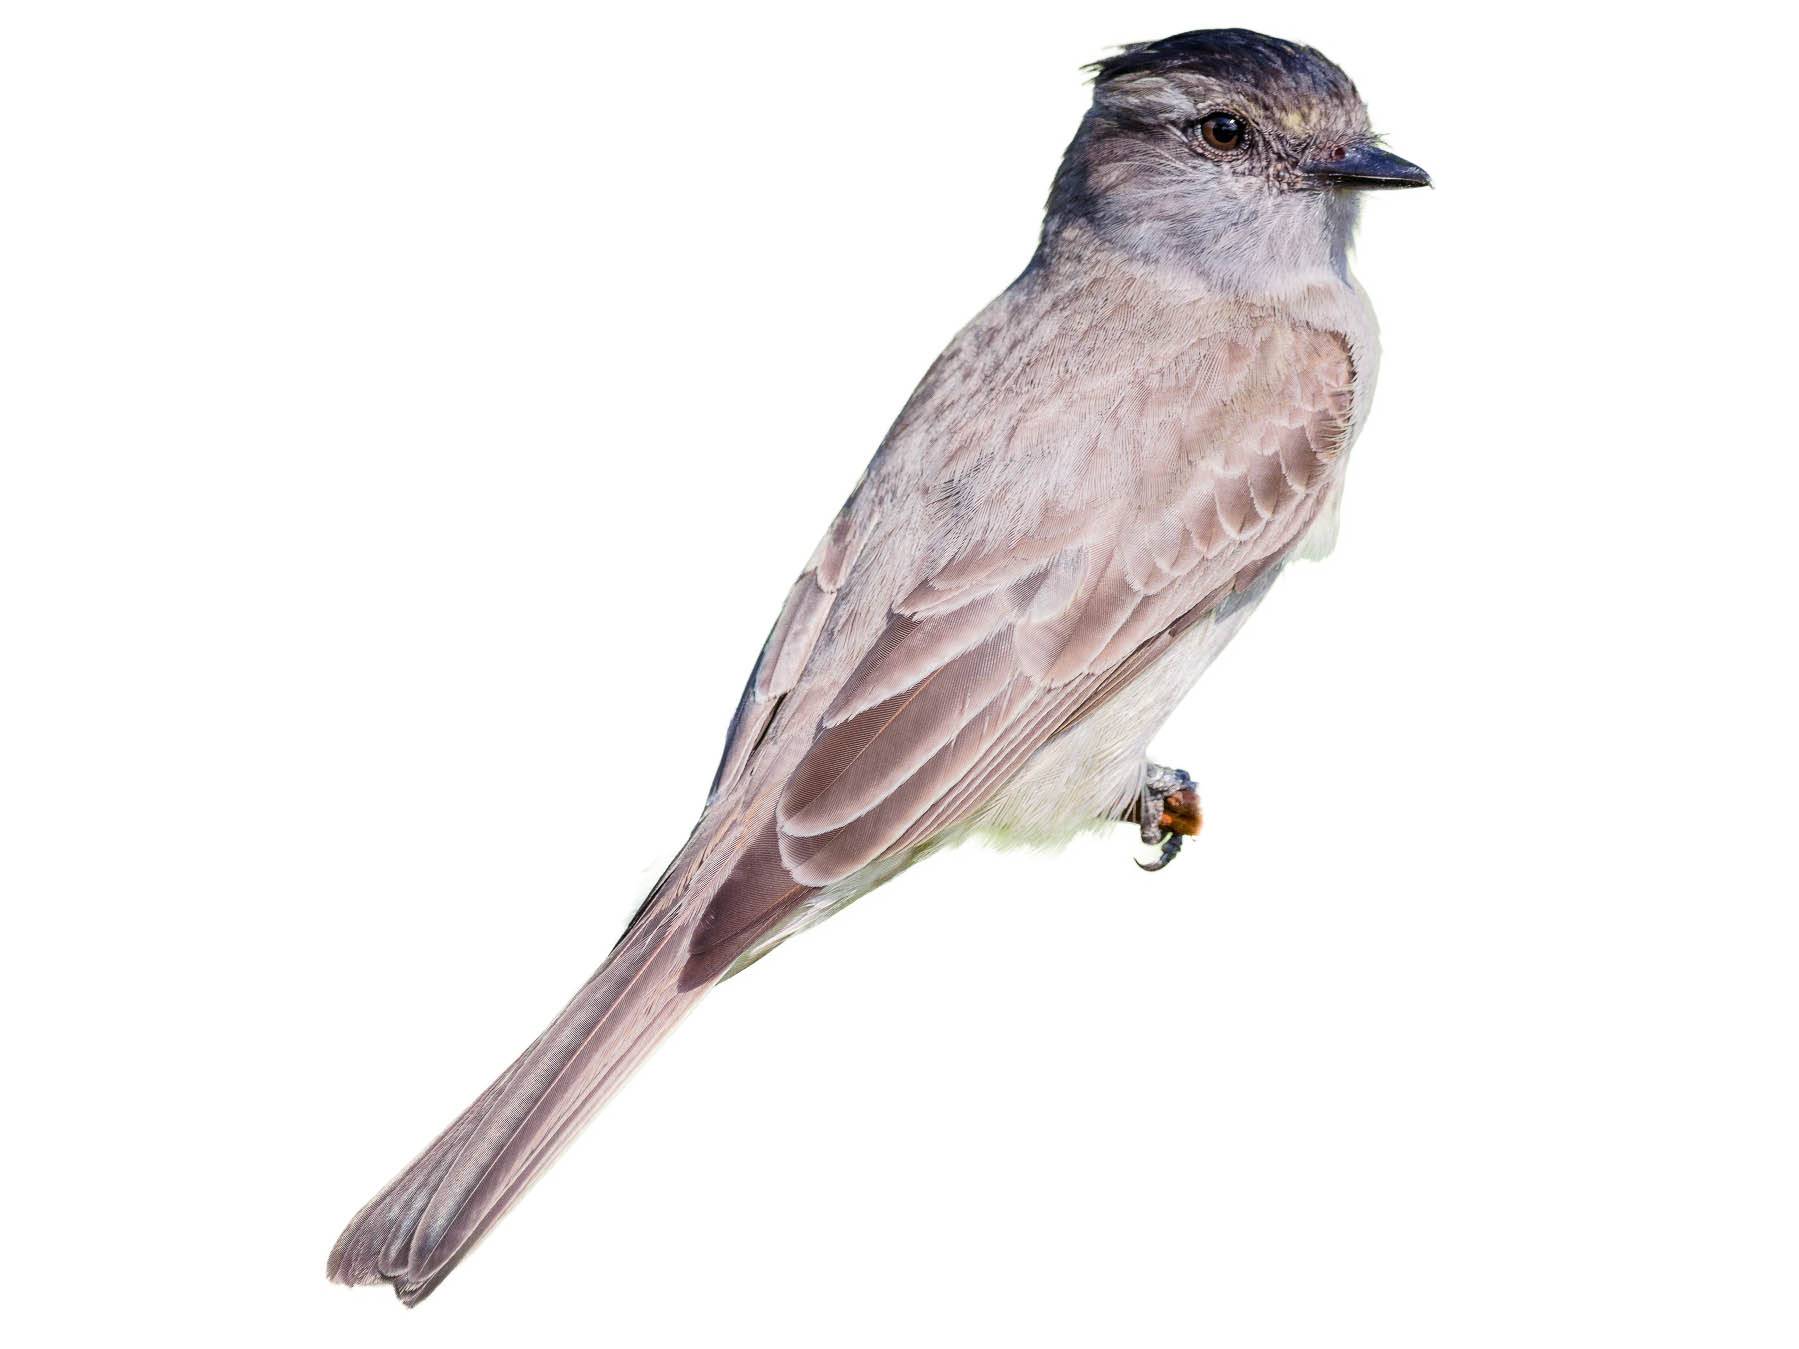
(1092, 771)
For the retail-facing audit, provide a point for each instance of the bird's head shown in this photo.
(1238, 153)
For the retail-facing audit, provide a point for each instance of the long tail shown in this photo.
(414, 1232)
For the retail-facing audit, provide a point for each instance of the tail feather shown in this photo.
(416, 1229)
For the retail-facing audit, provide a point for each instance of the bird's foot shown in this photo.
(1167, 812)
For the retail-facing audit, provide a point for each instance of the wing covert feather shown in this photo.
(998, 647)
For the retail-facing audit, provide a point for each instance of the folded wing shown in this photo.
(1182, 491)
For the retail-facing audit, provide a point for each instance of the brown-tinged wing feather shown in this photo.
(999, 650)
(790, 642)
(1159, 494)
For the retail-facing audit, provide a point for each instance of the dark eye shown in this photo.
(1224, 131)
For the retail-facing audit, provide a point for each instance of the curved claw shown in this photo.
(1171, 846)
(1166, 812)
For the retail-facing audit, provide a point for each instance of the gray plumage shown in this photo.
(1081, 503)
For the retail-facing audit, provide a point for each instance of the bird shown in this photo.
(1081, 503)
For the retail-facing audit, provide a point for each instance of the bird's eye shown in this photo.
(1225, 131)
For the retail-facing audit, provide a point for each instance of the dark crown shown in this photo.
(1232, 56)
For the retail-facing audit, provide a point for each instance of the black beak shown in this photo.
(1366, 166)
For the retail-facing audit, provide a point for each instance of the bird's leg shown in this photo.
(1167, 812)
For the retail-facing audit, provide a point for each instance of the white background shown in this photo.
(413, 415)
